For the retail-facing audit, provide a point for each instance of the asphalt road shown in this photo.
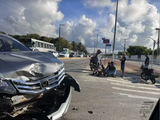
(107, 98)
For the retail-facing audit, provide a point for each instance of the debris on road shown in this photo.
(91, 112)
(75, 108)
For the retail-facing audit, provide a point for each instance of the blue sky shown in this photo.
(83, 18)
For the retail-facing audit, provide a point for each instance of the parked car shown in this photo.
(32, 83)
(72, 54)
(63, 54)
(55, 53)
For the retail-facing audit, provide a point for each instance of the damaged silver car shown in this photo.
(32, 83)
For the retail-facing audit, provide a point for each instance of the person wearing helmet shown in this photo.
(98, 60)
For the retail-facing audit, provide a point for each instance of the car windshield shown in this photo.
(8, 44)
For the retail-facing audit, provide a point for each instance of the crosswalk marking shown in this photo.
(130, 82)
(139, 91)
(136, 96)
(131, 86)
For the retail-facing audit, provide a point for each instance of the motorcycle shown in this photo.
(92, 63)
(147, 73)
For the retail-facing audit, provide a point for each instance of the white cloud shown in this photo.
(23, 17)
(137, 20)
(98, 3)
(83, 31)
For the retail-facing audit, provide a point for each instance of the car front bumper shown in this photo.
(62, 109)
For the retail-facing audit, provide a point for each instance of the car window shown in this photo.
(10, 45)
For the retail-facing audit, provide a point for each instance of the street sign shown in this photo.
(108, 44)
(105, 41)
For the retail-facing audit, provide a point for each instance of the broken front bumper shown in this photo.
(53, 103)
(62, 109)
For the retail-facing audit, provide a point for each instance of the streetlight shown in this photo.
(157, 41)
(60, 35)
(154, 42)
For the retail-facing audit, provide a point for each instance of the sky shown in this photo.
(86, 21)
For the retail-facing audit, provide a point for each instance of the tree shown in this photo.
(79, 47)
(2, 32)
(74, 44)
(61, 43)
(138, 50)
(35, 36)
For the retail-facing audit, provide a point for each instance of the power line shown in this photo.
(21, 25)
(20, 11)
(26, 11)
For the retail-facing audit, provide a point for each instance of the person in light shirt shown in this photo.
(98, 58)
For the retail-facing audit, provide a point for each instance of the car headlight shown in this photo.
(3, 83)
(6, 87)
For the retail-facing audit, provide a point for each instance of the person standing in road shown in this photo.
(123, 59)
(146, 61)
(98, 61)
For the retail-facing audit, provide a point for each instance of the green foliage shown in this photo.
(74, 44)
(138, 50)
(61, 43)
(2, 32)
(155, 51)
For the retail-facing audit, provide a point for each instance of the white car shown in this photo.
(55, 53)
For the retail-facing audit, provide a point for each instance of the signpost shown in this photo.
(106, 42)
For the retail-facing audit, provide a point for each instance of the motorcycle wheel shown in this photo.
(143, 76)
(153, 80)
(91, 67)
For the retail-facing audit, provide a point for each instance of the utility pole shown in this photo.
(158, 42)
(115, 32)
(125, 45)
(94, 46)
(60, 35)
(97, 41)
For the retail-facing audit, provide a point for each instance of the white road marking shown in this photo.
(132, 86)
(138, 91)
(130, 82)
(135, 96)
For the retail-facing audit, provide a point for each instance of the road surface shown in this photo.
(107, 98)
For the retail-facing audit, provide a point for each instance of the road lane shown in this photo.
(107, 98)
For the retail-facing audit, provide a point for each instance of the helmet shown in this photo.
(99, 51)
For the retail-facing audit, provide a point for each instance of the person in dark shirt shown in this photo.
(146, 61)
(123, 59)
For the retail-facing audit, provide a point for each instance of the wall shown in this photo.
(142, 58)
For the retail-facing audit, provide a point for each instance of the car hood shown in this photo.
(28, 65)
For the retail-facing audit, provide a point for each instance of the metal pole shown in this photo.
(94, 46)
(158, 42)
(105, 49)
(59, 37)
(124, 45)
(115, 32)
(153, 53)
(158, 45)
(97, 41)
